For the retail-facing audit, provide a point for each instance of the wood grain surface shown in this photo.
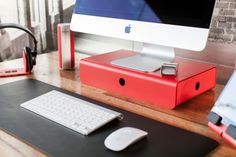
(11, 146)
(191, 115)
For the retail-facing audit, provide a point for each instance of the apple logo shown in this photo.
(128, 29)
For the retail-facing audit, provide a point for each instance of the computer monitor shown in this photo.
(161, 25)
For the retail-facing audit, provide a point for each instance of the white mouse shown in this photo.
(122, 138)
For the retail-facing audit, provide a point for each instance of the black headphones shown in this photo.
(28, 55)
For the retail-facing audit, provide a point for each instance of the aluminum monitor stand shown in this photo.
(150, 59)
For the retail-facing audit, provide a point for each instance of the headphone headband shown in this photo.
(12, 25)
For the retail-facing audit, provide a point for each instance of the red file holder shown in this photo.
(193, 78)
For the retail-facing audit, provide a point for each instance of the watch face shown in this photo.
(225, 106)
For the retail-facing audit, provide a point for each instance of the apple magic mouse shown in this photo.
(123, 137)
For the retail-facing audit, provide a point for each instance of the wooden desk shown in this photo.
(191, 115)
(11, 146)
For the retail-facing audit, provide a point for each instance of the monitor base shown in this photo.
(150, 59)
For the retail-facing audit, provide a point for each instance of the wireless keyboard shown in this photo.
(74, 113)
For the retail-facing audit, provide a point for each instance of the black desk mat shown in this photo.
(162, 141)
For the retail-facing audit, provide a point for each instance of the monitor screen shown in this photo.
(182, 12)
(178, 24)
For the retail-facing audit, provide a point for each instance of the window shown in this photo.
(38, 20)
(68, 3)
(12, 12)
(53, 7)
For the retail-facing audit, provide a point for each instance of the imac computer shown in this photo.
(160, 25)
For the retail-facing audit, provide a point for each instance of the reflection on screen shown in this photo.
(182, 12)
(122, 9)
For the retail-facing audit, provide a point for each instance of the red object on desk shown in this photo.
(221, 130)
(16, 71)
(66, 46)
(193, 79)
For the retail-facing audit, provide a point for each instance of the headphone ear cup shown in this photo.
(29, 64)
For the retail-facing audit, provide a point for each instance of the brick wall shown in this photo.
(223, 27)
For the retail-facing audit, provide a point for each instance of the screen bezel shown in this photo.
(190, 38)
